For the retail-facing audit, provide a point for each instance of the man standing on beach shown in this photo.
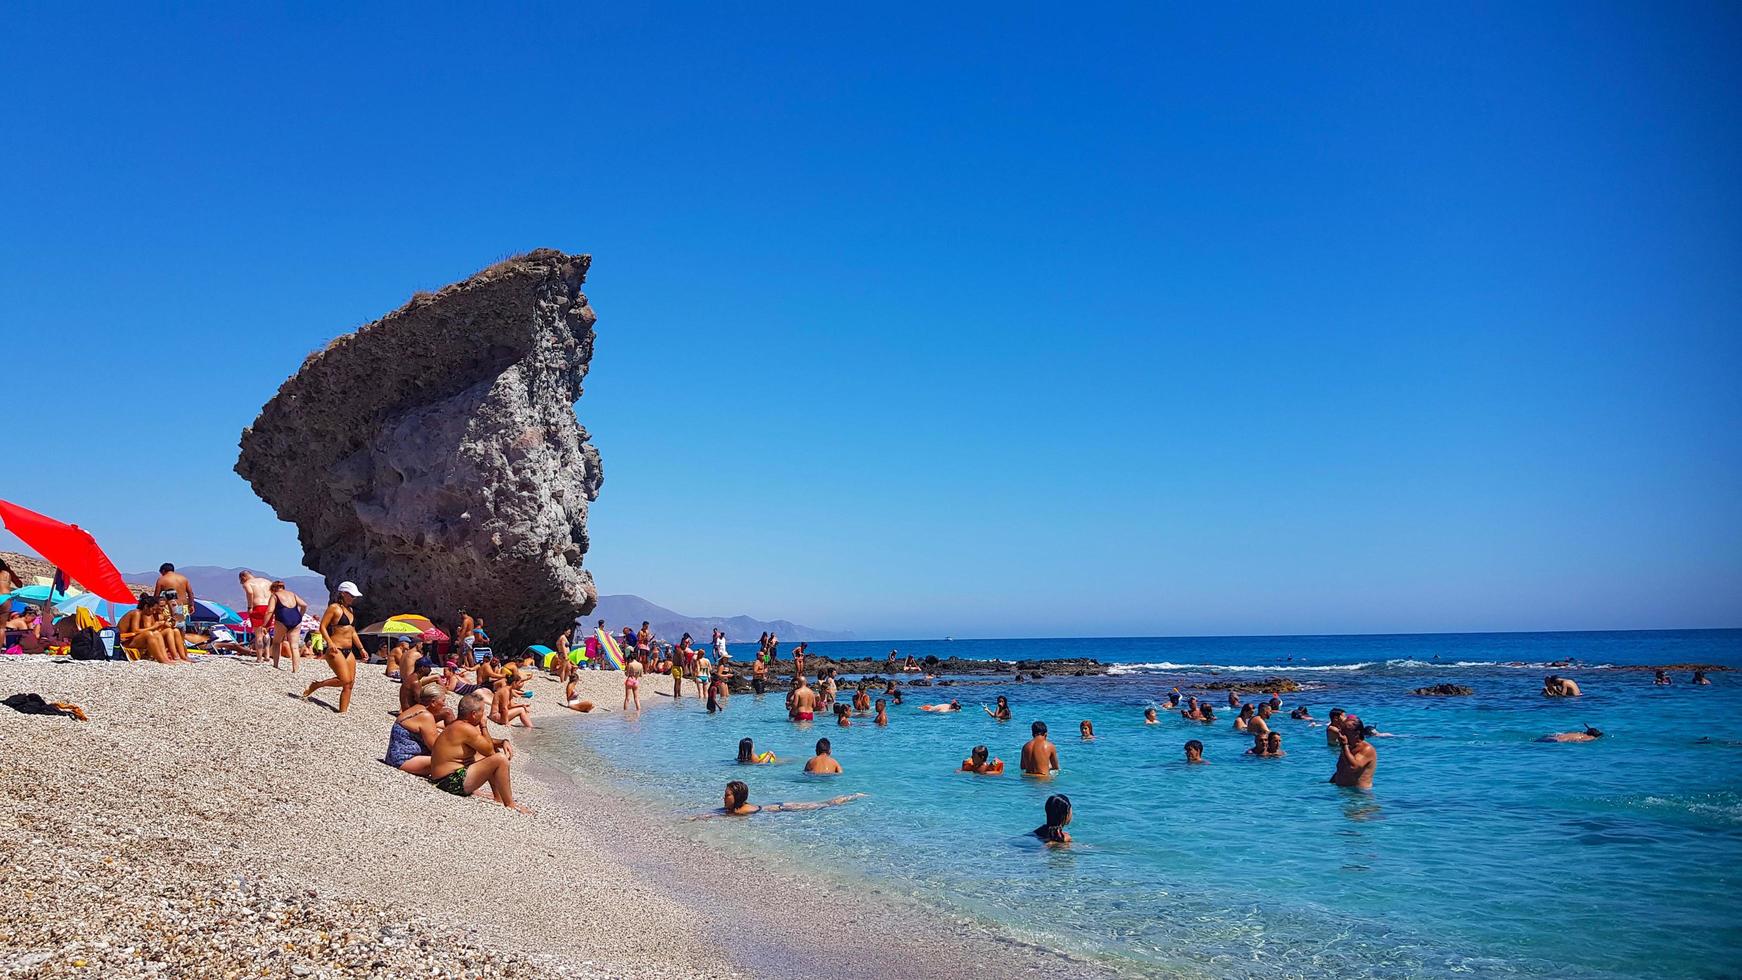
(1039, 757)
(256, 599)
(1357, 757)
(803, 702)
(172, 586)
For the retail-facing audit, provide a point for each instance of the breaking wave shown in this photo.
(1372, 666)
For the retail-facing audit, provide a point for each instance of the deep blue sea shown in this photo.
(1479, 852)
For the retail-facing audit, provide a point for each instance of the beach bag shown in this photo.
(87, 645)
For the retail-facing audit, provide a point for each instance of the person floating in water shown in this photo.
(748, 756)
(1173, 699)
(843, 716)
(952, 706)
(1087, 728)
(979, 761)
(823, 763)
(1244, 719)
(1356, 759)
(1039, 756)
(1194, 752)
(1301, 714)
(1058, 815)
(882, 713)
(1233, 700)
(802, 702)
(1701, 679)
(1588, 735)
(1331, 727)
(1191, 712)
(737, 803)
(1002, 712)
(1206, 713)
(1149, 716)
(1662, 679)
(1555, 686)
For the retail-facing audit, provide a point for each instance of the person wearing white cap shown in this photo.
(339, 643)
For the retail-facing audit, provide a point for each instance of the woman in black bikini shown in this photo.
(340, 644)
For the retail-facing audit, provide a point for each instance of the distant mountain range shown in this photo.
(219, 584)
(619, 611)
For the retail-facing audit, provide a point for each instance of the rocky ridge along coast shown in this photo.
(433, 456)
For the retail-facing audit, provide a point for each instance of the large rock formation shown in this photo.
(433, 456)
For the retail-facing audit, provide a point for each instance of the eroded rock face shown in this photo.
(433, 456)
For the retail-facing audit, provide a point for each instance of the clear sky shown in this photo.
(975, 319)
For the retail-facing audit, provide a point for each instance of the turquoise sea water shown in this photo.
(1479, 852)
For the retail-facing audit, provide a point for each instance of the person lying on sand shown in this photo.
(1588, 735)
(1058, 815)
(416, 729)
(464, 759)
(1039, 756)
(979, 762)
(748, 756)
(823, 763)
(952, 706)
(737, 803)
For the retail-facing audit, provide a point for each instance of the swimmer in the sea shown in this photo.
(1173, 699)
(1244, 719)
(1194, 752)
(1588, 735)
(1233, 700)
(1662, 679)
(1058, 815)
(1149, 716)
(823, 763)
(843, 716)
(1273, 745)
(1301, 714)
(737, 803)
(1554, 686)
(1002, 712)
(979, 762)
(1700, 678)
(1039, 756)
(1191, 712)
(1331, 727)
(1259, 744)
(882, 713)
(952, 706)
(1368, 731)
(1087, 728)
(1206, 713)
(1356, 759)
(748, 756)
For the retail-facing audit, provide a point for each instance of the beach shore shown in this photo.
(207, 822)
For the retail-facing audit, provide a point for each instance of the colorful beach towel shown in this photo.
(613, 652)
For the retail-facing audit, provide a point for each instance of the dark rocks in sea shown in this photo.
(1265, 686)
(1443, 691)
(433, 456)
(1708, 668)
(956, 666)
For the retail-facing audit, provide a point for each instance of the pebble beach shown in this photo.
(206, 822)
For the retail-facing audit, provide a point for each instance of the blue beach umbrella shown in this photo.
(34, 595)
(207, 611)
(111, 611)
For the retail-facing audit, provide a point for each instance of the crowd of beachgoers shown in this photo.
(454, 748)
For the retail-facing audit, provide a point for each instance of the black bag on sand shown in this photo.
(87, 645)
(33, 704)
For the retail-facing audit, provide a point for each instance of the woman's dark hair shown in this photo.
(1593, 732)
(1195, 744)
(746, 752)
(841, 709)
(1246, 710)
(1003, 702)
(1209, 712)
(739, 791)
(1058, 807)
(979, 754)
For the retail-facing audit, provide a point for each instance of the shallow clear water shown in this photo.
(1479, 851)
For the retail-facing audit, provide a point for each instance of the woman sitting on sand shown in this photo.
(340, 644)
(980, 763)
(416, 730)
(737, 803)
(1058, 815)
(748, 756)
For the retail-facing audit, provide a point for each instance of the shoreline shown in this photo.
(206, 821)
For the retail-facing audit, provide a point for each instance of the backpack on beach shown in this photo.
(87, 645)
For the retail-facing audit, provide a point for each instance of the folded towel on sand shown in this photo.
(33, 704)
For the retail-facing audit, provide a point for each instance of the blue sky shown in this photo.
(988, 320)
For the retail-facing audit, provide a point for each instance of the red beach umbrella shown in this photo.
(69, 548)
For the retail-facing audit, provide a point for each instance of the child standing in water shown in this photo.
(882, 712)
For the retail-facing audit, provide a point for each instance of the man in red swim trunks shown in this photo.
(256, 596)
(804, 701)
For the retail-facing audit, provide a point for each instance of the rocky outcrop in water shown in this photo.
(433, 456)
(1443, 691)
(1281, 685)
